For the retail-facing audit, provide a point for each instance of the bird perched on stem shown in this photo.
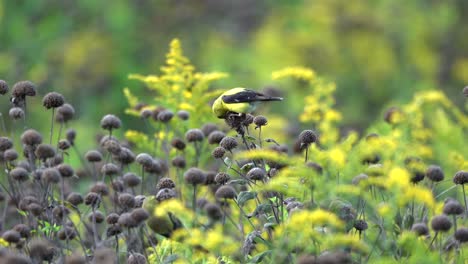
(239, 101)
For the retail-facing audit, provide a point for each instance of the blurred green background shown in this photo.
(377, 51)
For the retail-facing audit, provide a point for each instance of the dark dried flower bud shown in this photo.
(41, 250)
(66, 233)
(165, 183)
(118, 185)
(97, 216)
(260, 121)
(215, 137)
(154, 167)
(144, 159)
(145, 113)
(75, 198)
(360, 225)
(465, 91)
(104, 255)
(165, 194)
(45, 151)
(136, 258)
(420, 229)
(460, 177)
(441, 223)
(63, 144)
(10, 155)
(51, 175)
(326, 258)
(11, 236)
(218, 153)
(183, 115)
(113, 230)
(226, 192)
(461, 235)
(16, 113)
(210, 177)
(417, 176)
(110, 169)
(92, 199)
(93, 156)
(435, 173)
(75, 259)
(208, 128)
(111, 145)
(35, 209)
(228, 143)
(31, 137)
(156, 112)
(307, 137)
(126, 200)
(65, 113)
(140, 215)
(109, 122)
(178, 144)
(248, 120)
(453, 207)
(213, 211)
(256, 174)
(112, 218)
(70, 136)
(53, 100)
(126, 220)
(23, 88)
(60, 212)
(179, 162)
(194, 135)
(125, 156)
(194, 176)
(3, 87)
(65, 170)
(222, 178)
(5, 143)
(100, 188)
(23, 230)
(19, 174)
(165, 116)
(131, 180)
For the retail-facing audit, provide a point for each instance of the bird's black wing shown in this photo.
(247, 96)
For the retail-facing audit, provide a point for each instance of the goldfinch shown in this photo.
(240, 101)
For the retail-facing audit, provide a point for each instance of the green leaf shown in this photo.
(245, 196)
(170, 259)
(259, 257)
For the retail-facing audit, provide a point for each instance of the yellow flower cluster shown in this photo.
(301, 73)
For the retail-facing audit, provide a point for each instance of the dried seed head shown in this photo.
(10, 155)
(70, 136)
(65, 170)
(126, 220)
(208, 128)
(194, 176)
(213, 211)
(19, 174)
(92, 199)
(23, 230)
(210, 177)
(228, 143)
(93, 156)
(100, 188)
(11, 236)
(125, 156)
(23, 88)
(63, 144)
(51, 175)
(118, 185)
(307, 137)
(35, 209)
(60, 212)
(417, 176)
(3, 87)
(139, 215)
(145, 113)
(16, 113)
(248, 120)
(53, 100)
(260, 121)
(65, 113)
(165, 116)
(45, 151)
(183, 115)
(326, 258)
(178, 144)
(66, 233)
(54, 161)
(31, 137)
(194, 135)
(222, 178)
(136, 258)
(110, 169)
(460, 177)
(126, 200)
(113, 230)
(215, 137)
(111, 145)
(256, 174)
(461, 235)
(41, 250)
(218, 153)
(109, 122)
(420, 229)
(75, 259)
(165, 194)
(96, 216)
(144, 159)
(179, 162)
(465, 91)
(435, 173)
(5, 143)
(165, 183)
(112, 218)
(155, 113)
(453, 207)
(360, 225)
(441, 223)
(75, 198)
(226, 192)
(131, 179)
(104, 255)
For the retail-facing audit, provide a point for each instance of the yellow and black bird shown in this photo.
(239, 101)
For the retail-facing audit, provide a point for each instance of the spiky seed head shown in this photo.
(112, 218)
(307, 137)
(92, 199)
(183, 115)
(110, 122)
(11, 236)
(110, 169)
(215, 137)
(51, 175)
(420, 229)
(75, 198)
(441, 223)
(126, 200)
(461, 235)
(165, 116)
(144, 159)
(208, 128)
(93, 156)
(461, 177)
(360, 225)
(16, 113)
(218, 153)
(100, 188)
(65, 113)
(19, 174)
(222, 178)
(256, 174)
(228, 143)
(10, 155)
(31, 137)
(3, 87)
(165, 183)
(194, 135)
(23, 88)
(260, 121)
(140, 215)
(136, 258)
(453, 207)
(178, 144)
(226, 192)
(194, 176)
(131, 179)
(5, 143)
(53, 100)
(179, 162)
(165, 194)
(97, 216)
(213, 211)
